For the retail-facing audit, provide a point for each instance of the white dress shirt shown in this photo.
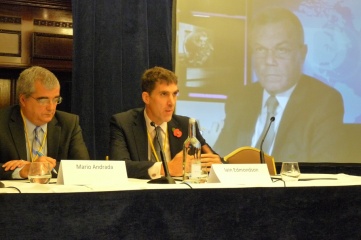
(154, 171)
(282, 99)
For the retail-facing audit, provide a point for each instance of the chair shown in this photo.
(250, 155)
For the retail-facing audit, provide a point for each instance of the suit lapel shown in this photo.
(140, 139)
(296, 101)
(53, 138)
(16, 126)
(249, 116)
(175, 142)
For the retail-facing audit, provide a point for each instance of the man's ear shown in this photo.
(145, 97)
(304, 51)
(22, 100)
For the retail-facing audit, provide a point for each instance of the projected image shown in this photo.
(196, 46)
(234, 65)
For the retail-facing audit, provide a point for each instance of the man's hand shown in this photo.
(25, 165)
(175, 166)
(208, 159)
(11, 165)
(24, 172)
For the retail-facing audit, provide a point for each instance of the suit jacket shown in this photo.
(310, 129)
(129, 140)
(64, 137)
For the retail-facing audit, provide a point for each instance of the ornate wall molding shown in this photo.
(47, 23)
(7, 19)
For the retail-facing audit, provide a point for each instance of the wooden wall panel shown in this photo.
(5, 91)
(20, 20)
(52, 46)
(10, 43)
(50, 21)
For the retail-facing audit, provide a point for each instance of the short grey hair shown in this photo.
(26, 82)
(275, 15)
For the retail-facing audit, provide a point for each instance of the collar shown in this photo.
(282, 98)
(150, 128)
(30, 126)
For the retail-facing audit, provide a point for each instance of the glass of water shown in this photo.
(39, 172)
(290, 171)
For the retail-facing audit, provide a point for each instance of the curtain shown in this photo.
(115, 41)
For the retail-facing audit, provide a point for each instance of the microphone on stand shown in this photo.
(261, 153)
(167, 179)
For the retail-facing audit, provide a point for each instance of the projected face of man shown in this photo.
(278, 53)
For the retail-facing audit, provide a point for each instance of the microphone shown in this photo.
(261, 153)
(167, 179)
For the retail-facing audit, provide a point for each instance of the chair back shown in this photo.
(250, 155)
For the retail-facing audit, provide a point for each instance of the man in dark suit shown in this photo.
(131, 133)
(308, 113)
(59, 134)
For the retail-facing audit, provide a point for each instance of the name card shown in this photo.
(245, 174)
(92, 172)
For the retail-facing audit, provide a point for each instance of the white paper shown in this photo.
(247, 174)
(92, 172)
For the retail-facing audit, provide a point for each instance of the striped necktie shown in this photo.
(38, 135)
(156, 145)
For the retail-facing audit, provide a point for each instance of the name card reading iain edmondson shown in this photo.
(92, 172)
(247, 174)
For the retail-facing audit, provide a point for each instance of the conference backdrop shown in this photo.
(213, 57)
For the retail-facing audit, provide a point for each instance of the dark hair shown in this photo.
(275, 15)
(157, 74)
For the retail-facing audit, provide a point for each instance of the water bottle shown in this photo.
(192, 169)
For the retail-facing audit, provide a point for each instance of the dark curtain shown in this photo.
(114, 42)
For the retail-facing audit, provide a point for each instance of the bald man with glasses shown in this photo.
(34, 130)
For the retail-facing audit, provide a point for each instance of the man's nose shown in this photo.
(271, 57)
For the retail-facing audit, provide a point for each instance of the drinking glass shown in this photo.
(290, 171)
(39, 172)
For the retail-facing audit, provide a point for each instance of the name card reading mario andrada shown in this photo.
(92, 172)
(245, 174)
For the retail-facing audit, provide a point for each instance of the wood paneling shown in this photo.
(7, 92)
(10, 43)
(50, 23)
(55, 4)
(52, 46)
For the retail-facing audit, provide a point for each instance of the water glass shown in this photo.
(39, 172)
(290, 171)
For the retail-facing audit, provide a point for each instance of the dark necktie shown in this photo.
(272, 105)
(157, 146)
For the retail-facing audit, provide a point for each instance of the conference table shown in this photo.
(318, 206)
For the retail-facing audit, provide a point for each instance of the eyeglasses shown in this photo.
(46, 101)
(278, 52)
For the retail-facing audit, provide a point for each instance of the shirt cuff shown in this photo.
(16, 173)
(154, 171)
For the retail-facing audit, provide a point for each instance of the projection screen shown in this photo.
(212, 57)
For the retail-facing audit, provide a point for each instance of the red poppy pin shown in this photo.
(176, 132)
